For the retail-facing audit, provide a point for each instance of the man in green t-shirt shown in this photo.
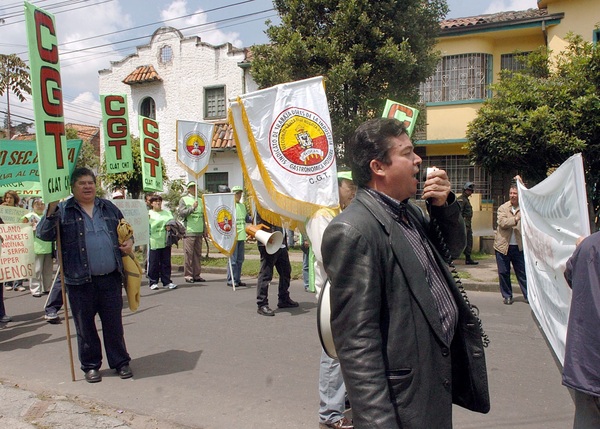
(237, 257)
(192, 214)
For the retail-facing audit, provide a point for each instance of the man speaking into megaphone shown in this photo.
(280, 260)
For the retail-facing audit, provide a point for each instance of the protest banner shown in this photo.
(554, 215)
(406, 114)
(46, 92)
(136, 213)
(219, 210)
(11, 214)
(289, 133)
(152, 175)
(17, 257)
(23, 189)
(257, 191)
(19, 160)
(117, 140)
(194, 140)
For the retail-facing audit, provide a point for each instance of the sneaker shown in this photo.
(52, 317)
(170, 286)
(5, 319)
(8, 288)
(21, 288)
(154, 286)
(343, 423)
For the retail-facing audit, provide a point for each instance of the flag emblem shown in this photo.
(224, 221)
(195, 144)
(301, 142)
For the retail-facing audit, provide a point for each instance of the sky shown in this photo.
(92, 33)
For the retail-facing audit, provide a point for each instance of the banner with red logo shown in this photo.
(117, 140)
(152, 175)
(194, 141)
(255, 186)
(219, 210)
(406, 114)
(46, 92)
(17, 257)
(289, 133)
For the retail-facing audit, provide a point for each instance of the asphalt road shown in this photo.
(203, 358)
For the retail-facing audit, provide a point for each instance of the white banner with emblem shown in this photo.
(289, 132)
(194, 141)
(219, 210)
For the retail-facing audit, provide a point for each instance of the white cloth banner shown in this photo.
(267, 208)
(17, 257)
(136, 213)
(194, 140)
(219, 210)
(289, 131)
(554, 215)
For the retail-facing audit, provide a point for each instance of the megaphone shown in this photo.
(271, 240)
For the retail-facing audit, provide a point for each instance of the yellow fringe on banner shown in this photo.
(286, 202)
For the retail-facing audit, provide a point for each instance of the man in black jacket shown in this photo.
(408, 344)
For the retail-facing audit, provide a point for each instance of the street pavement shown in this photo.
(203, 358)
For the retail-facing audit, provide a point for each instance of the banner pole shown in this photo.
(64, 297)
(231, 271)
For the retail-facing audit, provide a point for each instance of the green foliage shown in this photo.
(175, 190)
(367, 51)
(87, 156)
(542, 115)
(130, 180)
(14, 77)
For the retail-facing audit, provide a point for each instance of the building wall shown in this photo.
(180, 96)
(581, 17)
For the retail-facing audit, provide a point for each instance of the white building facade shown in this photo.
(182, 78)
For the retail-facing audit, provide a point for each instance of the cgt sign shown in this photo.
(46, 90)
(150, 150)
(117, 140)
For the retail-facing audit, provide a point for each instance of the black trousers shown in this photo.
(281, 261)
(103, 296)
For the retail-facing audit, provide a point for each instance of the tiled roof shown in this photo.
(494, 18)
(84, 132)
(223, 136)
(142, 74)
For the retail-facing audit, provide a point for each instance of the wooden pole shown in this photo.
(64, 296)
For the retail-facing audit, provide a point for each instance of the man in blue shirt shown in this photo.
(88, 226)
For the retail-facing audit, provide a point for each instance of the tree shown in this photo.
(542, 115)
(14, 77)
(367, 51)
(130, 180)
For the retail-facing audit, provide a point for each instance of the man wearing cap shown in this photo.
(237, 258)
(467, 213)
(192, 214)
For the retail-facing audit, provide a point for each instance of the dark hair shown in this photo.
(80, 172)
(15, 196)
(155, 198)
(370, 141)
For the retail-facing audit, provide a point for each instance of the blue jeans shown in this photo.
(55, 298)
(237, 259)
(514, 256)
(332, 391)
(102, 296)
(305, 267)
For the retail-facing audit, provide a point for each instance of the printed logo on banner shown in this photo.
(195, 145)
(223, 221)
(301, 142)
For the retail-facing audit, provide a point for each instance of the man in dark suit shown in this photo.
(408, 344)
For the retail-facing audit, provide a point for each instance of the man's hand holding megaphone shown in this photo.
(271, 240)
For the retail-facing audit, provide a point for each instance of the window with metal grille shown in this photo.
(214, 103)
(457, 78)
(148, 108)
(166, 54)
(459, 170)
(213, 180)
(514, 61)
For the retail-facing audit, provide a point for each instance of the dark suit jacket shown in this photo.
(398, 369)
